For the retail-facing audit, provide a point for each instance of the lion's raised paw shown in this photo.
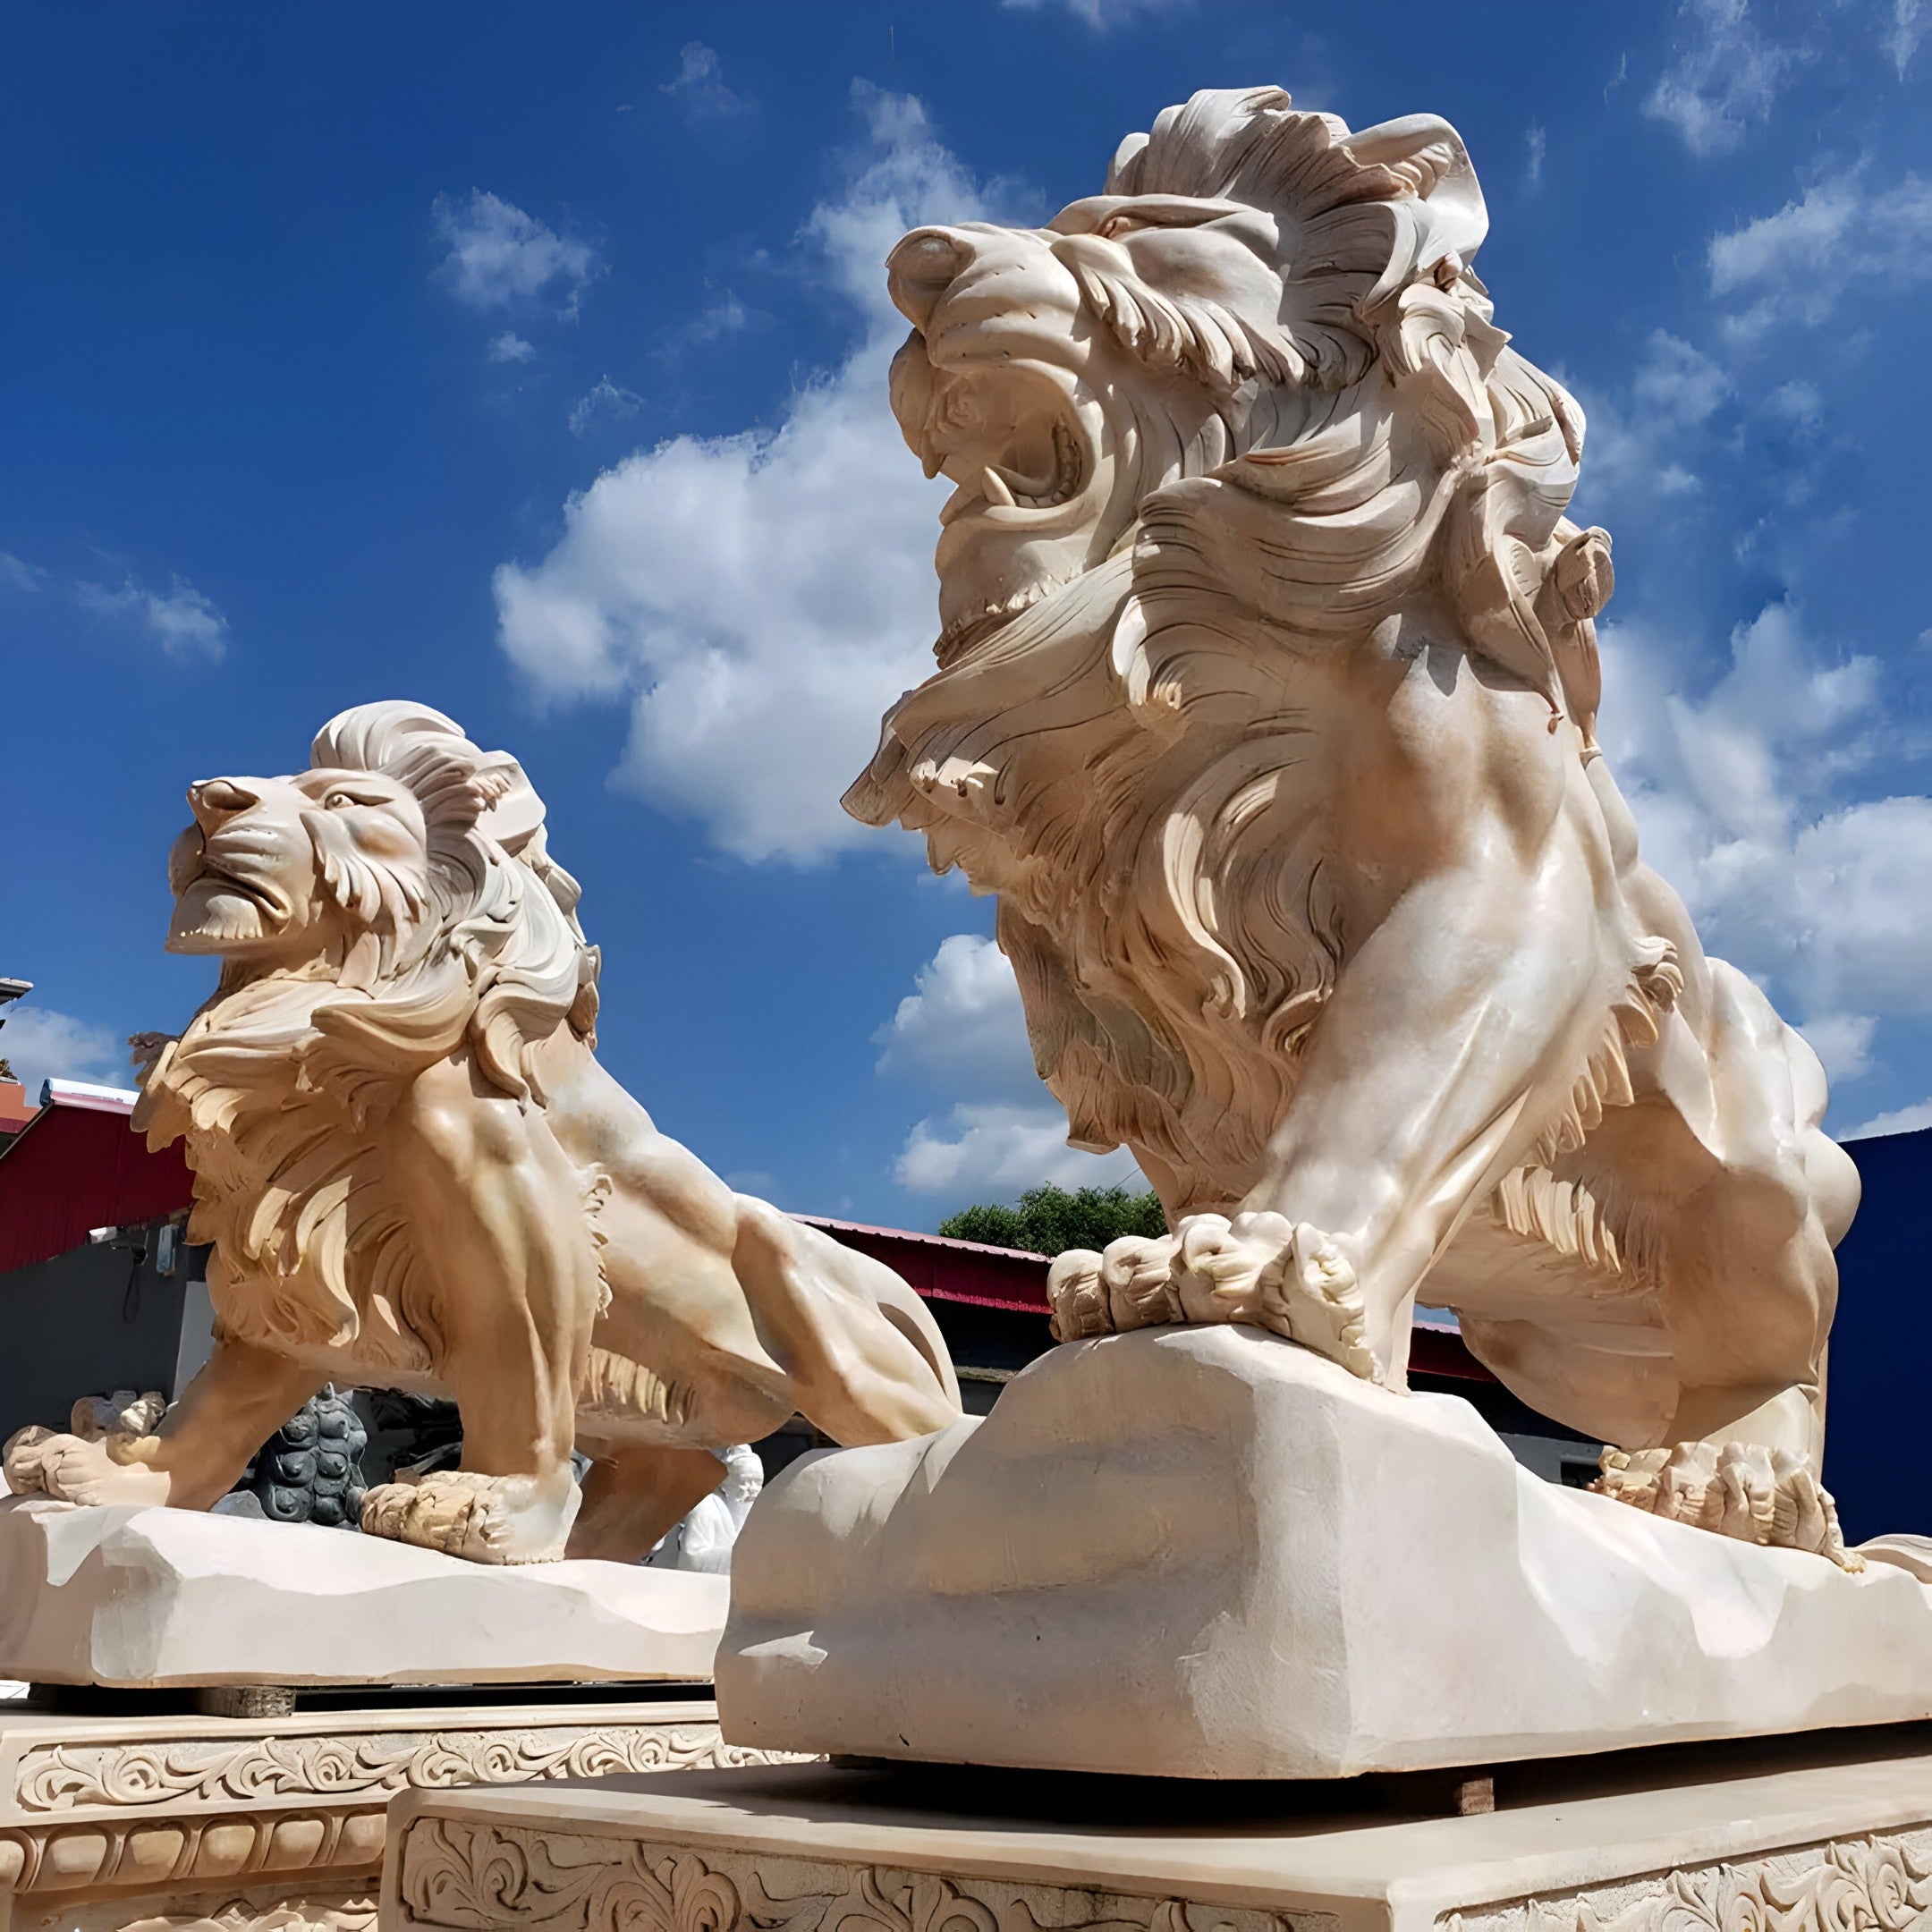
(482, 1519)
(1740, 1491)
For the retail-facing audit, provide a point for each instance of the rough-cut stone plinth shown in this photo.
(1208, 1553)
(115, 1595)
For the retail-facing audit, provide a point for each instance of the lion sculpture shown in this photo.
(416, 1174)
(1265, 703)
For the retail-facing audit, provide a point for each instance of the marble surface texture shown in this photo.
(1205, 1552)
(141, 1598)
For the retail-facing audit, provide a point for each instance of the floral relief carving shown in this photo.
(348, 1912)
(68, 1776)
(1856, 1885)
(460, 1874)
(484, 1877)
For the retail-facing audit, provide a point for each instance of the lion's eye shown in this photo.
(1116, 225)
(337, 800)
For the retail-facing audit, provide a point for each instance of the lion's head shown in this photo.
(1206, 428)
(406, 865)
(373, 914)
(1246, 266)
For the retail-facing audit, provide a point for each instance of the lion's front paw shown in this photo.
(72, 1469)
(1130, 1286)
(1737, 1489)
(484, 1519)
(1258, 1267)
(1285, 1276)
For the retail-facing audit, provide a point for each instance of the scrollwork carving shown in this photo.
(489, 1878)
(458, 1875)
(67, 1777)
(1874, 1884)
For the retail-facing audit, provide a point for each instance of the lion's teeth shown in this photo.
(995, 486)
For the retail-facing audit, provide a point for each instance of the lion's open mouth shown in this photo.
(209, 873)
(1012, 441)
(1034, 471)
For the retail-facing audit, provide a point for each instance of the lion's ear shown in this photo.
(511, 809)
(1431, 187)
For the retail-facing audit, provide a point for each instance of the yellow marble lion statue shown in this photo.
(415, 1174)
(1265, 703)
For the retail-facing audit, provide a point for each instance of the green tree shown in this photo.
(1049, 1220)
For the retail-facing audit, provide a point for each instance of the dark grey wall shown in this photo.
(86, 1323)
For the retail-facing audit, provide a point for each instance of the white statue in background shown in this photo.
(1266, 702)
(416, 1174)
(705, 1538)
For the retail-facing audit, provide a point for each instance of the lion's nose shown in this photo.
(213, 799)
(923, 266)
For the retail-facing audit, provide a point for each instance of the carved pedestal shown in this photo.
(1815, 1837)
(277, 1823)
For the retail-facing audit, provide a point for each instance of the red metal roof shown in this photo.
(73, 1167)
(946, 1270)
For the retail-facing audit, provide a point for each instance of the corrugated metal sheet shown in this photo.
(946, 1270)
(73, 1168)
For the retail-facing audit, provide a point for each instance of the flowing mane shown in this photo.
(1162, 893)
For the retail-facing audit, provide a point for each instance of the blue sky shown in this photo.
(530, 360)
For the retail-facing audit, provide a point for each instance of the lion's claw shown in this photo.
(1258, 1267)
(484, 1519)
(1737, 1489)
(1130, 1286)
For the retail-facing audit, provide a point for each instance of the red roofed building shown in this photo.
(74, 1166)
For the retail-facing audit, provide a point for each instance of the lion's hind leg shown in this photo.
(483, 1519)
(634, 1495)
(849, 1366)
(1743, 1490)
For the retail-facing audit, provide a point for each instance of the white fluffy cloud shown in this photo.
(988, 1151)
(963, 1029)
(180, 619)
(1907, 30)
(510, 347)
(40, 1044)
(1900, 1120)
(1723, 78)
(759, 599)
(700, 87)
(1637, 446)
(1101, 15)
(605, 403)
(963, 1020)
(1737, 794)
(501, 258)
(1797, 265)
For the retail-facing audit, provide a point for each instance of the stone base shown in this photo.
(149, 1598)
(167, 1823)
(1726, 1839)
(1207, 1553)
